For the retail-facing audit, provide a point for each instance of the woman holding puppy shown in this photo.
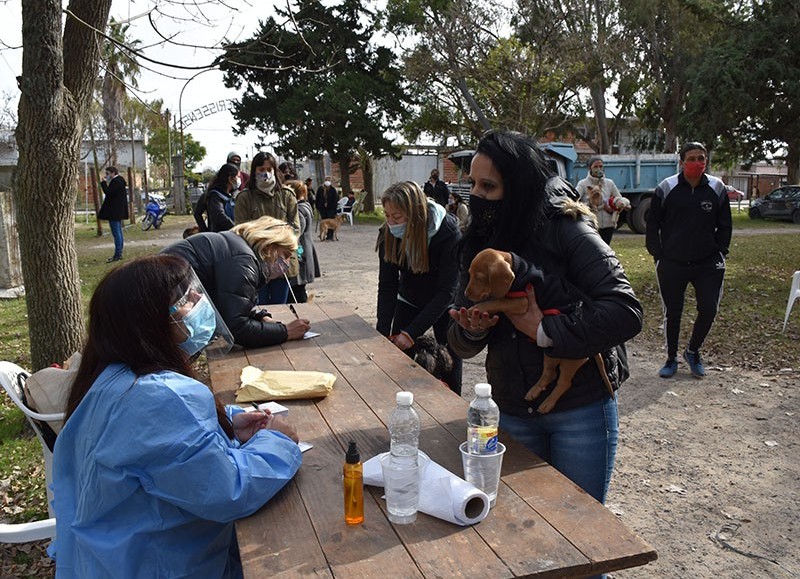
(601, 195)
(519, 206)
(418, 270)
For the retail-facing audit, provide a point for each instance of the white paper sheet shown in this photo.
(442, 494)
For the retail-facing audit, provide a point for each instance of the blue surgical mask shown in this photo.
(201, 323)
(397, 230)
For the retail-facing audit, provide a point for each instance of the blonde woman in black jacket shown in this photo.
(418, 270)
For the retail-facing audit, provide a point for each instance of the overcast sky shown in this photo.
(214, 131)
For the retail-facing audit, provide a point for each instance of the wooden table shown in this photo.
(542, 526)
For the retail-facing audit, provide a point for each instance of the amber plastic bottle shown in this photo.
(353, 487)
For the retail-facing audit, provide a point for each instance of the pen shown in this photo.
(291, 291)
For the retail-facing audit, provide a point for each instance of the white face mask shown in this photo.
(327, 183)
(265, 181)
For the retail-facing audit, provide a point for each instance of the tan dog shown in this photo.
(594, 196)
(332, 224)
(490, 279)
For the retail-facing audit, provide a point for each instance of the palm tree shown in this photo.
(121, 69)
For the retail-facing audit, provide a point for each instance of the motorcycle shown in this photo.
(155, 210)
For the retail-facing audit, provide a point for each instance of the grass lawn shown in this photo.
(747, 332)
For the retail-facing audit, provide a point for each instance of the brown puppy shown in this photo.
(331, 224)
(490, 279)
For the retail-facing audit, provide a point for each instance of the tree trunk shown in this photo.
(343, 159)
(473, 104)
(793, 162)
(55, 88)
(368, 171)
(598, 92)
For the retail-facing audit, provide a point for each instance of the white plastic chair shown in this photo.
(12, 383)
(794, 294)
(27, 532)
(349, 212)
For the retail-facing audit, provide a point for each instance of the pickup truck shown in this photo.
(636, 176)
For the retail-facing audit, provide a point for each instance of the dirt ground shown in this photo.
(708, 471)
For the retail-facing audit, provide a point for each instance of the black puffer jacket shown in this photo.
(567, 245)
(432, 292)
(231, 274)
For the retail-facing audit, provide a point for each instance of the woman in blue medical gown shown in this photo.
(150, 471)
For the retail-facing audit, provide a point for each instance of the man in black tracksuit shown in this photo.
(688, 234)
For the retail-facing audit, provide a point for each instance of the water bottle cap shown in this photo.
(483, 389)
(405, 398)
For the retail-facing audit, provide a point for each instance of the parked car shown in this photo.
(733, 193)
(782, 203)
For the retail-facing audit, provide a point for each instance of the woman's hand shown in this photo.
(402, 340)
(246, 424)
(281, 424)
(474, 320)
(528, 323)
(296, 329)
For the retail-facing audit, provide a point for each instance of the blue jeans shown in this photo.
(274, 292)
(116, 232)
(580, 443)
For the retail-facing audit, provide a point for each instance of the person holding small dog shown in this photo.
(520, 206)
(266, 195)
(601, 195)
(418, 270)
(327, 201)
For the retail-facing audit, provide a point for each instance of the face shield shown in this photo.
(197, 322)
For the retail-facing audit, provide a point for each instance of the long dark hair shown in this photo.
(220, 181)
(525, 173)
(258, 160)
(129, 323)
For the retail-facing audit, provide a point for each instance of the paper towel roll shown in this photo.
(441, 494)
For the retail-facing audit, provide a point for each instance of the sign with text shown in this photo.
(206, 111)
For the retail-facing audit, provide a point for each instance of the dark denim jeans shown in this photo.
(274, 292)
(116, 232)
(581, 443)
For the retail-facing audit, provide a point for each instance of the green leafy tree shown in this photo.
(671, 38)
(318, 82)
(744, 99)
(587, 51)
(450, 41)
(120, 69)
(158, 149)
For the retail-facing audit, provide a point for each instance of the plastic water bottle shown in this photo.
(402, 493)
(483, 418)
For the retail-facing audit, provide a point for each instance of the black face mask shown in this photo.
(485, 214)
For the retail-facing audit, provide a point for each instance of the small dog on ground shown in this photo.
(189, 231)
(490, 279)
(331, 224)
(433, 356)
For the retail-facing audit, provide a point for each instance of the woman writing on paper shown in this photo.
(150, 471)
(234, 265)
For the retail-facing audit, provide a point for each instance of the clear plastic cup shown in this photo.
(483, 470)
